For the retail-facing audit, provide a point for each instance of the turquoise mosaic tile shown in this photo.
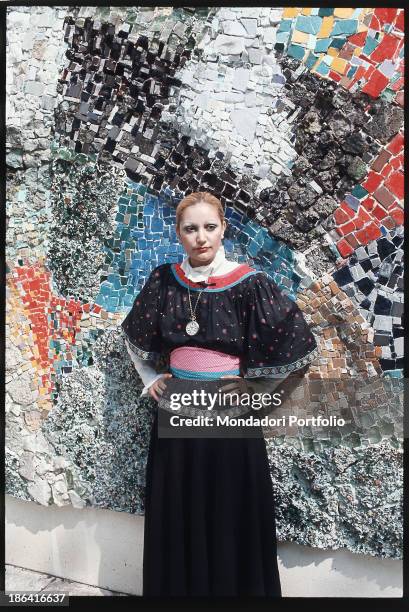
(310, 25)
(345, 26)
(285, 25)
(322, 45)
(370, 45)
(296, 51)
(322, 68)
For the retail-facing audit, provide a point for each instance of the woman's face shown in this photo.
(201, 231)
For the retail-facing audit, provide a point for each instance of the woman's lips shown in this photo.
(203, 249)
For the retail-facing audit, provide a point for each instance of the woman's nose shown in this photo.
(201, 237)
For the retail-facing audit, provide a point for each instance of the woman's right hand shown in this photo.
(158, 387)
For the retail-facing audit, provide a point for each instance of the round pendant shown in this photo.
(192, 328)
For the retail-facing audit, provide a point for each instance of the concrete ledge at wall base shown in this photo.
(105, 549)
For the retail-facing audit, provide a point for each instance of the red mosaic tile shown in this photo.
(358, 223)
(386, 15)
(396, 144)
(359, 73)
(373, 181)
(373, 231)
(379, 212)
(51, 318)
(374, 25)
(362, 236)
(344, 248)
(396, 163)
(340, 216)
(358, 39)
(395, 184)
(389, 223)
(376, 84)
(334, 76)
(369, 71)
(386, 48)
(350, 213)
(400, 22)
(397, 215)
(397, 84)
(363, 215)
(368, 203)
(347, 228)
(386, 170)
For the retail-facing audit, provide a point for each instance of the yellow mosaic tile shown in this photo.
(362, 27)
(326, 27)
(306, 10)
(300, 37)
(333, 52)
(339, 65)
(358, 50)
(343, 13)
(290, 12)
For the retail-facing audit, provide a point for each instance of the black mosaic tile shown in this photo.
(382, 305)
(343, 276)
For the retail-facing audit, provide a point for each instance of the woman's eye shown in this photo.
(211, 227)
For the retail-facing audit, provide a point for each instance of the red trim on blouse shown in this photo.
(219, 281)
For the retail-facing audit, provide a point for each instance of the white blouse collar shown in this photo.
(220, 265)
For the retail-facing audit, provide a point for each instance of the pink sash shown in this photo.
(200, 363)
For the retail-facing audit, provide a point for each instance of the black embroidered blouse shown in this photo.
(241, 313)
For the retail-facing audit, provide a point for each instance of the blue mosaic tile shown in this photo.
(151, 237)
(322, 68)
(345, 26)
(322, 45)
(309, 25)
(370, 45)
(325, 12)
(352, 202)
(311, 59)
(282, 37)
(338, 43)
(285, 25)
(359, 192)
(296, 51)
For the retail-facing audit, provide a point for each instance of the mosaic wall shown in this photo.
(293, 118)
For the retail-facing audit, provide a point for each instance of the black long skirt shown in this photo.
(209, 518)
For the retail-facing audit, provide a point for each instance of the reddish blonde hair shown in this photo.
(195, 198)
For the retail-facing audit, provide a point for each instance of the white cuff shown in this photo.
(144, 367)
(146, 387)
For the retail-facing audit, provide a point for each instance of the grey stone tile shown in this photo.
(22, 579)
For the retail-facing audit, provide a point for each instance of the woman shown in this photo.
(209, 509)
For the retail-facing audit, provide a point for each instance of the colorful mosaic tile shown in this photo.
(356, 44)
